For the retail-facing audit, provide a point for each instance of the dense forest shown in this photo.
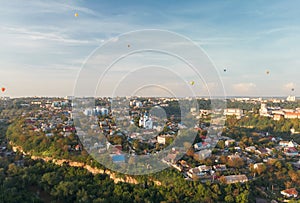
(40, 181)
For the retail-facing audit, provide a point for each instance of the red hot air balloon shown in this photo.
(3, 89)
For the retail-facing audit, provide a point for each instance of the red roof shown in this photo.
(292, 113)
(291, 191)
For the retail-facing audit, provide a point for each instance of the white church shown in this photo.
(146, 121)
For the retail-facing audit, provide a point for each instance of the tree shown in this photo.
(221, 144)
(260, 168)
(295, 176)
(236, 163)
(229, 198)
(190, 152)
(82, 196)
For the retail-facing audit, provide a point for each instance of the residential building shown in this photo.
(291, 98)
(161, 139)
(236, 179)
(199, 171)
(250, 149)
(203, 154)
(277, 117)
(291, 192)
(234, 112)
(288, 143)
(201, 145)
(290, 151)
(220, 167)
(264, 111)
(229, 142)
(292, 115)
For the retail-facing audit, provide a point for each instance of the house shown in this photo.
(203, 154)
(288, 144)
(296, 165)
(204, 168)
(264, 110)
(291, 192)
(201, 145)
(236, 179)
(49, 134)
(102, 111)
(277, 117)
(293, 131)
(261, 151)
(283, 143)
(229, 142)
(269, 151)
(161, 139)
(238, 113)
(78, 147)
(88, 112)
(69, 129)
(194, 172)
(291, 115)
(199, 171)
(220, 167)
(290, 151)
(257, 165)
(138, 104)
(185, 164)
(250, 149)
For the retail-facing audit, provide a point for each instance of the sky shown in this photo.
(44, 47)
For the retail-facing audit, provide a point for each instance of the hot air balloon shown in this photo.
(76, 14)
(267, 72)
(3, 89)
(224, 70)
(192, 82)
(128, 45)
(292, 89)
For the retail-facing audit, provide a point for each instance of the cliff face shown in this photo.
(93, 170)
(112, 175)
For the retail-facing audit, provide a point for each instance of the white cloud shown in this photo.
(39, 6)
(244, 87)
(37, 35)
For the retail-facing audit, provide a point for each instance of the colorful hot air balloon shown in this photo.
(3, 89)
(192, 82)
(76, 14)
